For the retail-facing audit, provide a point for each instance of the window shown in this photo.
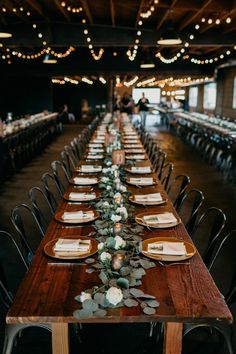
(209, 101)
(193, 95)
(234, 94)
(152, 94)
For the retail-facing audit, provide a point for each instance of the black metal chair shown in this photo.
(166, 174)
(61, 176)
(28, 228)
(158, 164)
(52, 190)
(189, 207)
(9, 252)
(41, 206)
(177, 188)
(207, 231)
(221, 256)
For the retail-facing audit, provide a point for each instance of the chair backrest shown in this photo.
(61, 176)
(28, 228)
(166, 173)
(42, 207)
(12, 267)
(207, 230)
(177, 189)
(159, 164)
(67, 163)
(73, 160)
(51, 190)
(189, 207)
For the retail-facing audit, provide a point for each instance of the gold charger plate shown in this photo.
(84, 184)
(58, 217)
(132, 199)
(48, 249)
(190, 248)
(67, 197)
(142, 185)
(139, 220)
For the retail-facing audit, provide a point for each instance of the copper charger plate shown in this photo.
(142, 185)
(83, 184)
(132, 199)
(190, 249)
(139, 220)
(58, 217)
(66, 196)
(48, 249)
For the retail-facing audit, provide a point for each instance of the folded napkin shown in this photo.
(94, 157)
(168, 248)
(154, 197)
(165, 218)
(78, 215)
(144, 169)
(94, 145)
(133, 146)
(99, 140)
(136, 157)
(67, 245)
(92, 150)
(142, 180)
(90, 168)
(84, 180)
(82, 196)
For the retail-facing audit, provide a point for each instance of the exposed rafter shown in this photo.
(112, 7)
(62, 10)
(192, 17)
(222, 18)
(165, 16)
(35, 5)
(86, 8)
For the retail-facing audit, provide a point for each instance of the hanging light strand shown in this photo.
(69, 8)
(90, 45)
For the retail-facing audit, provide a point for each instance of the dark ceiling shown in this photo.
(113, 25)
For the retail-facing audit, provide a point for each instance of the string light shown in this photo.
(37, 55)
(210, 60)
(71, 81)
(102, 80)
(71, 8)
(90, 46)
(145, 82)
(131, 82)
(151, 9)
(57, 81)
(63, 55)
(87, 81)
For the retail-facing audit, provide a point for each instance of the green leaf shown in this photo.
(82, 314)
(110, 242)
(130, 303)
(125, 271)
(146, 264)
(77, 298)
(153, 303)
(99, 298)
(100, 313)
(138, 273)
(90, 260)
(90, 305)
(136, 292)
(123, 283)
(90, 270)
(104, 278)
(149, 310)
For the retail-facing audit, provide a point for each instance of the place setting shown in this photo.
(81, 197)
(157, 220)
(84, 181)
(148, 199)
(139, 169)
(141, 181)
(94, 156)
(135, 156)
(71, 248)
(76, 217)
(89, 168)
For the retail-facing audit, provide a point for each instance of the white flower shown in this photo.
(104, 179)
(117, 195)
(123, 212)
(106, 204)
(123, 188)
(85, 296)
(120, 243)
(108, 188)
(116, 218)
(114, 295)
(114, 167)
(100, 246)
(117, 180)
(108, 163)
(105, 256)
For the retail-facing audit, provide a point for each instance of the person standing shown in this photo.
(143, 108)
(126, 104)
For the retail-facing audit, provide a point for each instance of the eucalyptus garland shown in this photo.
(120, 264)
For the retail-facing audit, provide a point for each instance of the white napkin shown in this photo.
(90, 168)
(99, 140)
(165, 218)
(154, 197)
(92, 150)
(94, 157)
(84, 180)
(77, 215)
(132, 146)
(136, 157)
(168, 248)
(144, 169)
(94, 145)
(63, 245)
(142, 180)
(79, 196)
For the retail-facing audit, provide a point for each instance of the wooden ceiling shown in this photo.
(114, 24)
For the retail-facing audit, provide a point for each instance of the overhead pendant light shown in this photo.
(147, 62)
(48, 59)
(4, 33)
(169, 35)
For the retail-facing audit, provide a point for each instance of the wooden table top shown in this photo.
(187, 293)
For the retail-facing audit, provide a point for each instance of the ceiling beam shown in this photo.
(20, 15)
(192, 17)
(86, 8)
(35, 6)
(112, 8)
(62, 10)
(139, 12)
(165, 16)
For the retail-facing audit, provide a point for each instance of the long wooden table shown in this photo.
(186, 292)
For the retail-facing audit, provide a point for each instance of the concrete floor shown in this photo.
(124, 338)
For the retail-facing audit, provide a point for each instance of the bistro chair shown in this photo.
(67, 162)
(189, 207)
(51, 190)
(166, 174)
(60, 175)
(41, 206)
(176, 190)
(10, 252)
(158, 164)
(207, 231)
(221, 258)
(28, 228)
